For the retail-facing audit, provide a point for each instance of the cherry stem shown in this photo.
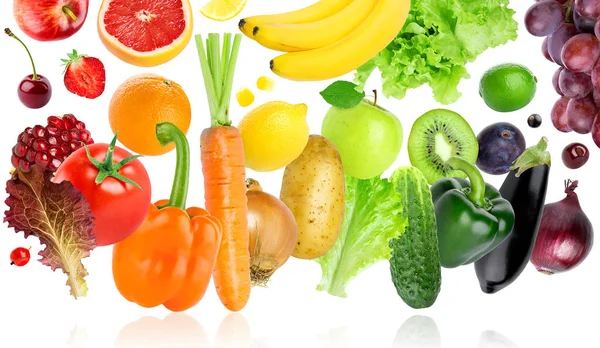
(66, 10)
(10, 33)
(12, 263)
(375, 99)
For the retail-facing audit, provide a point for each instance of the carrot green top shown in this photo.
(217, 71)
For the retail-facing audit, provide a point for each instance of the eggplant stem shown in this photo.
(532, 157)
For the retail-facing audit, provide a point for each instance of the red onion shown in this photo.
(565, 236)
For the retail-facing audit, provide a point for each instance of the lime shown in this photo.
(507, 87)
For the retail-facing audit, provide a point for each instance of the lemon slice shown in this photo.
(222, 10)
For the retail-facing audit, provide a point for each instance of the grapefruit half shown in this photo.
(145, 32)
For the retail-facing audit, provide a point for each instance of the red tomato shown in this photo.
(119, 208)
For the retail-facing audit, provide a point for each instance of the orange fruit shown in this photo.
(142, 102)
(145, 33)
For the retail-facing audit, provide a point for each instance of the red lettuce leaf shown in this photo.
(59, 215)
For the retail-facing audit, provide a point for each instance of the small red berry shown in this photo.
(20, 257)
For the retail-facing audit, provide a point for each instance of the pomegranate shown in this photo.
(49, 146)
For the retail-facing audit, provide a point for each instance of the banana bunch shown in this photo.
(329, 38)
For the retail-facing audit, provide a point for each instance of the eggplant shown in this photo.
(525, 188)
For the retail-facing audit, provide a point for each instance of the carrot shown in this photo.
(223, 166)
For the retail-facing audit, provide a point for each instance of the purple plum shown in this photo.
(499, 145)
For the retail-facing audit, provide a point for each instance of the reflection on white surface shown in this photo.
(78, 338)
(418, 332)
(234, 332)
(175, 330)
(334, 338)
(492, 339)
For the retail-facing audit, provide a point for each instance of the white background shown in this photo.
(536, 311)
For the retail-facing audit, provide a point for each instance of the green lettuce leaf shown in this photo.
(437, 41)
(59, 215)
(372, 217)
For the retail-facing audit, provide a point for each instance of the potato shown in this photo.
(314, 189)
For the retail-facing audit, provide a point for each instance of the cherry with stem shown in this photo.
(34, 90)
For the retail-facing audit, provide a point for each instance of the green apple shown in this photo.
(367, 136)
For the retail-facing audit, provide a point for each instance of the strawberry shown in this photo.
(84, 76)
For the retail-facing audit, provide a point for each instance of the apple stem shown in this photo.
(69, 13)
(375, 98)
(12, 263)
(11, 34)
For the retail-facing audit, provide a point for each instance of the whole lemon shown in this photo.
(274, 134)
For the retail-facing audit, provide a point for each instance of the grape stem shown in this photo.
(568, 13)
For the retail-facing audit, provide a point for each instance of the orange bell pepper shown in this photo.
(169, 259)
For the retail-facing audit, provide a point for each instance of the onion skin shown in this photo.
(273, 235)
(565, 237)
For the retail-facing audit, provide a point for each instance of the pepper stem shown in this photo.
(532, 157)
(66, 10)
(477, 192)
(167, 133)
(108, 168)
(10, 33)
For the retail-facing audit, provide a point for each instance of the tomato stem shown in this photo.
(108, 168)
(167, 133)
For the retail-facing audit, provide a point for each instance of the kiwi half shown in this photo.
(436, 136)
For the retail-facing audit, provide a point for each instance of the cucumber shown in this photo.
(415, 261)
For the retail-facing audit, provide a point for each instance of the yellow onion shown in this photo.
(273, 233)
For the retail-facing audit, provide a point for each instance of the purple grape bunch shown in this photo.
(571, 32)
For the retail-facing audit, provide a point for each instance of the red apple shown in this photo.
(50, 20)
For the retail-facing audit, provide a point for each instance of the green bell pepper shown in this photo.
(472, 218)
